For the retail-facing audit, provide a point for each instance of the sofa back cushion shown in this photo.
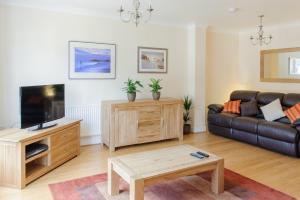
(249, 108)
(243, 95)
(265, 98)
(290, 99)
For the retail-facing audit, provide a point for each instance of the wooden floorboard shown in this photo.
(275, 170)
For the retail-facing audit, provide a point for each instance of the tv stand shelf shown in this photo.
(43, 154)
(16, 171)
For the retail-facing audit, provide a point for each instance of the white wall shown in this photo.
(2, 54)
(34, 50)
(234, 63)
(222, 68)
(249, 59)
(196, 74)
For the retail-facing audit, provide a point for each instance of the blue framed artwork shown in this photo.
(89, 60)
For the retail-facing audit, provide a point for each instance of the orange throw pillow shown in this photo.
(293, 113)
(232, 107)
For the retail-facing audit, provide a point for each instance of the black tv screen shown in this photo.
(41, 104)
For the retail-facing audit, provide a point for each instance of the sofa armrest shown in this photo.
(216, 108)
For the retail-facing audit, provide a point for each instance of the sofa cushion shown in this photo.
(293, 113)
(284, 120)
(243, 95)
(249, 108)
(232, 107)
(265, 98)
(273, 111)
(248, 124)
(244, 136)
(277, 131)
(221, 119)
(278, 146)
(290, 99)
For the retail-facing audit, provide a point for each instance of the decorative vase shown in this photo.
(131, 96)
(186, 128)
(156, 96)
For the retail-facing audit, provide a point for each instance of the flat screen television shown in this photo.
(41, 104)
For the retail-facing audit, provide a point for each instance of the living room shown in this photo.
(205, 54)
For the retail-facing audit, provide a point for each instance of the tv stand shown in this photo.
(17, 171)
(42, 127)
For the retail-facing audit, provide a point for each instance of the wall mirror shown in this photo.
(280, 65)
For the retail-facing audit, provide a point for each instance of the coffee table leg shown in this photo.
(217, 178)
(113, 180)
(136, 190)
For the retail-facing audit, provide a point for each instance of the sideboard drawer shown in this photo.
(149, 128)
(149, 113)
(148, 138)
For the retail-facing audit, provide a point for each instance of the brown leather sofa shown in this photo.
(280, 136)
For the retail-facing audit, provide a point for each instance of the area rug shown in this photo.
(196, 187)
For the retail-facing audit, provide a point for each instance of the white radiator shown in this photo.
(90, 125)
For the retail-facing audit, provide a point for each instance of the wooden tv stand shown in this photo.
(63, 141)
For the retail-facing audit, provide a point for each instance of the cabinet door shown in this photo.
(172, 123)
(126, 121)
(65, 144)
(149, 123)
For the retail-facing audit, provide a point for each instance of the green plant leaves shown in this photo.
(131, 86)
(155, 85)
(187, 104)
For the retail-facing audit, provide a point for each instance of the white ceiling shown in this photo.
(181, 12)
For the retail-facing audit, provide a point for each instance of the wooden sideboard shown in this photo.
(126, 123)
(16, 171)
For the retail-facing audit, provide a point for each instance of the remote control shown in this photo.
(203, 154)
(197, 155)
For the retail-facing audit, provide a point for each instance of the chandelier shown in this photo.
(135, 15)
(260, 38)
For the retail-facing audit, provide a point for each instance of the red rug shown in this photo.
(188, 188)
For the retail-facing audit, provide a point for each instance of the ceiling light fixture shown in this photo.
(135, 14)
(261, 39)
(233, 10)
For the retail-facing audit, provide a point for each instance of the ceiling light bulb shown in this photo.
(233, 10)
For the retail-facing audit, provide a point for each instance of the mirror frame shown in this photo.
(262, 67)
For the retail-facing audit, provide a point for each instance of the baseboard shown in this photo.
(96, 139)
(90, 140)
(199, 129)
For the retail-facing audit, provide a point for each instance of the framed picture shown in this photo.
(152, 60)
(89, 60)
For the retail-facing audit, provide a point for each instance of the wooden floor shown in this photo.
(275, 170)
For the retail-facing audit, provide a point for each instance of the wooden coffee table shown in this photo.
(150, 167)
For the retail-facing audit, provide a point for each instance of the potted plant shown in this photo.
(187, 104)
(131, 89)
(155, 88)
